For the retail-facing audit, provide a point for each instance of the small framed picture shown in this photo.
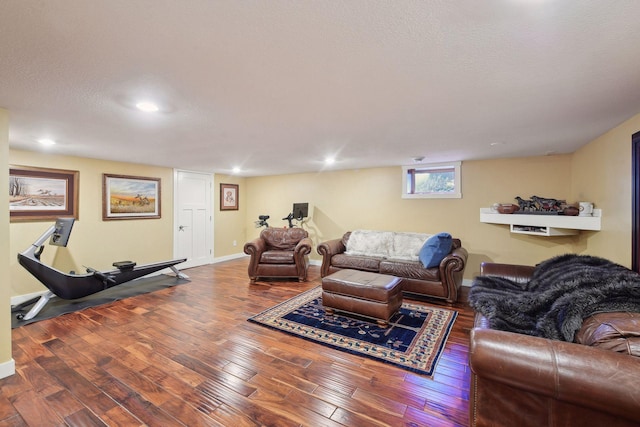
(130, 197)
(40, 194)
(228, 197)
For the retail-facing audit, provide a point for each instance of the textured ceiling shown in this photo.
(276, 86)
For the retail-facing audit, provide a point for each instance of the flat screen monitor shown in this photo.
(300, 210)
(62, 231)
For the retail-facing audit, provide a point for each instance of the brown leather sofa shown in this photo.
(279, 252)
(442, 282)
(522, 380)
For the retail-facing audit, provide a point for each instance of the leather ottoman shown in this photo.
(362, 293)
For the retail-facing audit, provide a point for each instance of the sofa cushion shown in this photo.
(616, 331)
(385, 244)
(435, 249)
(356, 262)
(409, 270)
(277, 257)
(406, 246)
(370, 243)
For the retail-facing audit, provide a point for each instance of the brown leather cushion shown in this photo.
(284, 239)
(619, 331)
(356, 262)
(277, 257)
(410, 270)
(362, 284)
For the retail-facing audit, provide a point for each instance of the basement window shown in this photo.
(432, 181)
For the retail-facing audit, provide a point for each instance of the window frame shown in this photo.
(456, 194)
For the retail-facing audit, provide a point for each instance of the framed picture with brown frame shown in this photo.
(42, 194)
(130, 197)
(229, 197)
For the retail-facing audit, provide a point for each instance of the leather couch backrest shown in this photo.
(284, 239)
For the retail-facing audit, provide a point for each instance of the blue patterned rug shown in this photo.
(414, 339)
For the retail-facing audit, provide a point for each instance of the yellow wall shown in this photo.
(94, 242)
(370, 199)
(6, 361)
(229, 226)
(601, 174)
(365, 198)
(97, 243)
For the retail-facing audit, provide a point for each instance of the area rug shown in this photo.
(414, 340)
(58, 306)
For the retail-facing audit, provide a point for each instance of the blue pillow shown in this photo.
(435, 249)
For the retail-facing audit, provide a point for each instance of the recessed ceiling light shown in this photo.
(495, 144)
(147, 107)
(46, 141)
(236, 169)
(329, 161)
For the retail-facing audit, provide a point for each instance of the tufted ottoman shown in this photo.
(361, 292)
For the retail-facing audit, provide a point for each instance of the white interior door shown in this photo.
(193, 218)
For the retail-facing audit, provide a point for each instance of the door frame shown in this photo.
(635, 202)
(176, 213)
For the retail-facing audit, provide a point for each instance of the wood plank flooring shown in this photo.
(186, 356)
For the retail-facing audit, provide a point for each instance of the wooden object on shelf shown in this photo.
(507, 208)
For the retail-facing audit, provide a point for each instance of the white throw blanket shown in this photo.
(386, 244)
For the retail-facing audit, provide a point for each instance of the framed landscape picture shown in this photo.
(39, 194)
(228, 197)
(130, 197)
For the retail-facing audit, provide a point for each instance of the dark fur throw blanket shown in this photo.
(561, 293)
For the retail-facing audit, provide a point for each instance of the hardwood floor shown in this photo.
(186, 356)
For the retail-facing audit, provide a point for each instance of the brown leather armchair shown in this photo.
(279, 252)
(522, 380)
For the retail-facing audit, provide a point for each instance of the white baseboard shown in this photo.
(229, 257)
(19, 299)
(7, 368)
(317, 262)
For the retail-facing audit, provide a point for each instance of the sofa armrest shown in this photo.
(601, 380)
(328, 249)
(452, 271)
(514, 272)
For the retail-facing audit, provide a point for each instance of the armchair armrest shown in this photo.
(328, 249)
(303, 247)
(254, 247)
(600, 380)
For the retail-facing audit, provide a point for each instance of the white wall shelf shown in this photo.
(543, 225)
